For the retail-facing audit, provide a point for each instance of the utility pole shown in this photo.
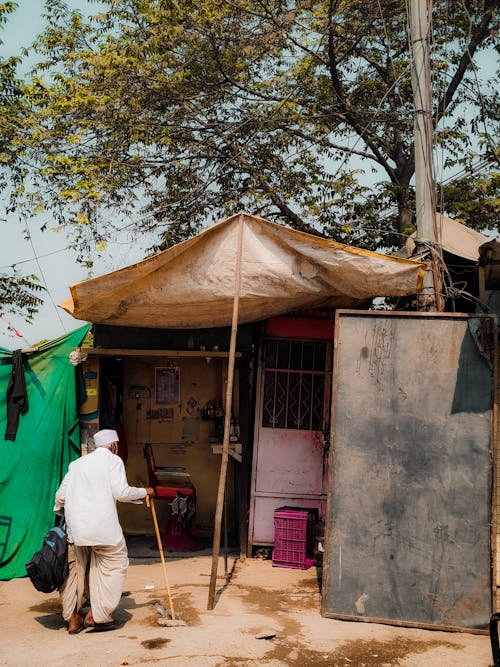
(420, 21)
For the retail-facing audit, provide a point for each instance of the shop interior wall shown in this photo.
(89, 410)
(179, 434)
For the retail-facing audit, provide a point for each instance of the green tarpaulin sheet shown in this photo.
(47, 440)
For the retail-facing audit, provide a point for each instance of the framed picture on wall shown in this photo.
(167, 385)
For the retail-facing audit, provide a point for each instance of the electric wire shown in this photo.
(26, 261)
(494, 149)
(45, 282)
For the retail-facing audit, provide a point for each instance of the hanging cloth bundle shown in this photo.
(17, 396)
(183, 507)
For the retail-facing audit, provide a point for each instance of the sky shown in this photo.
(46, 255)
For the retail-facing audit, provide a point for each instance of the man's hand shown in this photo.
(150, 491)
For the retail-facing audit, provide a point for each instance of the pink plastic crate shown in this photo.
(293, 537)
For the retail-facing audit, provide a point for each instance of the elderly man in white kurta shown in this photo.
(88, 494)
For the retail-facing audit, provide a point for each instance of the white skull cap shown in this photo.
(105, 437)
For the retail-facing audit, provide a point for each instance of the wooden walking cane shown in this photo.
(151, 503)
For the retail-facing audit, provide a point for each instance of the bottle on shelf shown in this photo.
(232, 430)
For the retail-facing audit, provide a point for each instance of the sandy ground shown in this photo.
(282, 604)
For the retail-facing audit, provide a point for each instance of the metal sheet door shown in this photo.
(409, 502)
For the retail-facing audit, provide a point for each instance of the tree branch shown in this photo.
(363, 132)
(477, 35)
(297, 221)
(338, 147)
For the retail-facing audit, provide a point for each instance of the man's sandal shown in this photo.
(104, 627)
(76, 630)
(88, 621)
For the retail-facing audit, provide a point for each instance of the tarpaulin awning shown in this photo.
(192, 284)
(458, 239)
(453, 236)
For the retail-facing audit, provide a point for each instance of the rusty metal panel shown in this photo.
(408, 536)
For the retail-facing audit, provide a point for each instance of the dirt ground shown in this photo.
(263, 616)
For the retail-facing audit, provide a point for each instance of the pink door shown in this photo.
(290, 462)
(290, 455)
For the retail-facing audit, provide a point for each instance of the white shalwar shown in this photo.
(88, 494)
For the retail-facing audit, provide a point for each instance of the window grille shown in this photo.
(296, 384)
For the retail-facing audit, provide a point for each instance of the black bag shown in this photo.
(49, 568)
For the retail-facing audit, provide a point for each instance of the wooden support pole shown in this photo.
(227, 422)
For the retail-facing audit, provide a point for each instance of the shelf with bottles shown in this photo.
(212, 410)
(234, 429)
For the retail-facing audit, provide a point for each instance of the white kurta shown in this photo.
(89, 492)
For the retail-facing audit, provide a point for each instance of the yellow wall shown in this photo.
(181, 442)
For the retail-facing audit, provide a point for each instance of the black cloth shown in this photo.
(17, 396)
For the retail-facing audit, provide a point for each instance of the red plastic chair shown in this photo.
(169, 484)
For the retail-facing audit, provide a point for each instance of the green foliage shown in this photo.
(475, 200)
(11, 114)
(19, 295)
(179, 113)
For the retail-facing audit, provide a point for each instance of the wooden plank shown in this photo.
(217, 449)
(406, 624)
(126, 352)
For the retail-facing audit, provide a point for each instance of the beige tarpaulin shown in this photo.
(456, 238)
(192, 283)
(453, 236)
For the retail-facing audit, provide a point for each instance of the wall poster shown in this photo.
(167, 385)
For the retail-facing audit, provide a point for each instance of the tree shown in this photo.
(178, 112)
(18, 294)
